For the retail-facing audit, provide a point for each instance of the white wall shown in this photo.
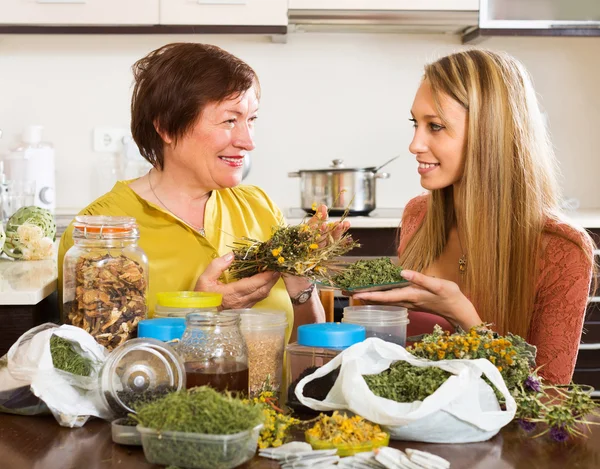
(325, 96)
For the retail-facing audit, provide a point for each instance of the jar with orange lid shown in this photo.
(178, 304)
(105, 279)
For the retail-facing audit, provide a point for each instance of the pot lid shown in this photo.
(337, 165)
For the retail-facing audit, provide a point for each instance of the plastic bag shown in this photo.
(30, 385)
(463, 409)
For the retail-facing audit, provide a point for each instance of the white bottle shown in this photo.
(33, 160)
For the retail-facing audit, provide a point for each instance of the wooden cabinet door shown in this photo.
(79, 12)
(224, 12)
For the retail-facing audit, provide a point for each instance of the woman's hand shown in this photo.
(244, 293)
(431, 295)
(320, 219)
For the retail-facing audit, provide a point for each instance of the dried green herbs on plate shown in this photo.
(369, 275)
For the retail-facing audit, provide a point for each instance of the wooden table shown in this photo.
(40, 443)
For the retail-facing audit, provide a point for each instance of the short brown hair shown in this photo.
(174, 83)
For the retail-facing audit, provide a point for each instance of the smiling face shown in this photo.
(212, 152)
(438, 145)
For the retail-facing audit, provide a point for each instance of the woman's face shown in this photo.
(213, 151)
(439, 147)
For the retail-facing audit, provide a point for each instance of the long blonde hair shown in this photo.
(506, 194)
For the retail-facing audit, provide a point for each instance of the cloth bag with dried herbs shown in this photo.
(463, 409)
(54, 369)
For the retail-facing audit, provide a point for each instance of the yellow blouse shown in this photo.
(177, 253)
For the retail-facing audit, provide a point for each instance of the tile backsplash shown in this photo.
(324, 96)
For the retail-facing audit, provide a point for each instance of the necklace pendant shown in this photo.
(462, 264)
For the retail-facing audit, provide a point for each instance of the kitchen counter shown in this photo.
(38, 442)
(391, 217)
(26, 282)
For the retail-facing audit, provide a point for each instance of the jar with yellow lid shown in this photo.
(105, 279)
(181, 303)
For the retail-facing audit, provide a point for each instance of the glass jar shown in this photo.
(384, 322)
(139, 371)
(264, 334)
(105, 279)
(214, 351)
(181, 303)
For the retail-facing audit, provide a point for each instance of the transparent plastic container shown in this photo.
(214, 351)
(264, 333)
(317, 345)
(138, 371)
(181, 303)
(384, 322)
(199, 450)
(105, 279)
(125, 434)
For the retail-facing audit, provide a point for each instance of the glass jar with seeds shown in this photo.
(264, 332)
(105, 279)
(214, 351)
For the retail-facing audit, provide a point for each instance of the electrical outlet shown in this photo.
(109, 139)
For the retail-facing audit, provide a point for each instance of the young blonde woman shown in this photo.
(487, 243)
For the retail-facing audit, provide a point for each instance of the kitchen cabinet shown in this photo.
(224, 12)
(79, 12)
(390, 5)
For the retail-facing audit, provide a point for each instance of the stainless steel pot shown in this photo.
(340, 188)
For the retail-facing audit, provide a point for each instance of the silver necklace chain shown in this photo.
(198, 229)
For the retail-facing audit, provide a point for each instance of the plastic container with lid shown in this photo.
(317, 345)
(138, 371)
(163, 329)
(181, 303)
(385, 322)
(105, 279)
(214, 351)
(169, 448)
(264, 333)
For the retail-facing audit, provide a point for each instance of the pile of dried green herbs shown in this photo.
(368, 272)
(66, 357)
(307, 250)
(199, 410)
(403, 382)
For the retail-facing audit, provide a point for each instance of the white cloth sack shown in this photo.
(463, 409)
(72, 399)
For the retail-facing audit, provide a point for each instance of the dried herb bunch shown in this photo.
(109, 298)
(277, 423)
(557, 410)
(368, 272)
(307, 250)
(67, 358)
(512, 355)
(403, 382)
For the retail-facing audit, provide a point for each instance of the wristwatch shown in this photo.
(303, 296)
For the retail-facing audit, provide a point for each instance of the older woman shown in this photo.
(193, 113)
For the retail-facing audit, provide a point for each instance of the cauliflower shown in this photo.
(30, 233)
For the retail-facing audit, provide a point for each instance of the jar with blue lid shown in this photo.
(317, 345)
(168, 330)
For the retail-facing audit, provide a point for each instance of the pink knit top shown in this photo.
(562, 290)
